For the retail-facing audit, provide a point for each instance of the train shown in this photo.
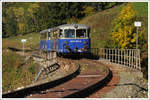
(66, 39)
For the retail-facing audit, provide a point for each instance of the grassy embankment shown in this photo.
(14, 72)
(101, 25)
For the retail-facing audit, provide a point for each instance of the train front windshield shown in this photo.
(69, 33)
(80, 33)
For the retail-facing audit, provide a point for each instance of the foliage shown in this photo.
(23, 18)
(73, 20)
(18, 12)
(124, 32)
(88, 10)
(21, 27)
(33, 9)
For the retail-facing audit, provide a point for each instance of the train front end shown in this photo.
(75, 39)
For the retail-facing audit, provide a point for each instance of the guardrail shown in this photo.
(126, 57)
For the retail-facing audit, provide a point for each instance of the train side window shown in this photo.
(56, 34)
(49, 35)
(60, 33)
(81, 33)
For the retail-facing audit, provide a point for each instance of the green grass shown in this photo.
(32, 41)
(14, 75)
(10, 71)
(101, 25)
(141, 8)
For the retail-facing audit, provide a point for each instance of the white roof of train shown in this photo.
(49, 30)
(79, 26)
(66, 26)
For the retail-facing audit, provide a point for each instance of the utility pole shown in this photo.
(137, 24)
(23, 41)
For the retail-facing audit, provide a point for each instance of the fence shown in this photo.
(126, 57)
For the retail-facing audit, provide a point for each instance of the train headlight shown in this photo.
(67, 47)
(76, 49)
(76, 26)
(85, 48)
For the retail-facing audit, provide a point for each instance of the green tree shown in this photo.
(24, 18)
(32, 13)
(11, 28)
(88, 10)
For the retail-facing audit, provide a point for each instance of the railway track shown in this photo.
(82, 82)
(80, 86)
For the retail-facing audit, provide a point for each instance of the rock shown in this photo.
(20, 88)
(130, 86)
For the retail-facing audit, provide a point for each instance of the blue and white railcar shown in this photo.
(68, 38)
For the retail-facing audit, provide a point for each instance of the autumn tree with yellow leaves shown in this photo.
(124, 32)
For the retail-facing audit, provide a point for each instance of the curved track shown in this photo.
(87, 82)
(91, 77)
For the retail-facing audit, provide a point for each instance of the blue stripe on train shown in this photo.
(73, 44)
(59, 45)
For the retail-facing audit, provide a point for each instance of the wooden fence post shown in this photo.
(121, 57)
(118, 55)
(129, 57)
(139, 60)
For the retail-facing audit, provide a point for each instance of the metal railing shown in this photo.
(126, 57)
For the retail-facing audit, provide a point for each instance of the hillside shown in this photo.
(101, 24)
(16, 71)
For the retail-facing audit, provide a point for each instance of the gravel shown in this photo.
(132, 85)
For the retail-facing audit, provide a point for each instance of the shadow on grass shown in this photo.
(17, 50)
